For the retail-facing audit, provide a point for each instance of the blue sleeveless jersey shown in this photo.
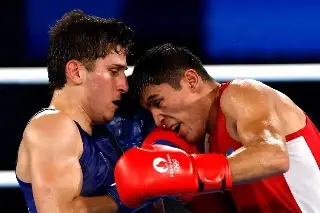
(100, 156)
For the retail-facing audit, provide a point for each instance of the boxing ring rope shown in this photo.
(283, 73)
(292, 72)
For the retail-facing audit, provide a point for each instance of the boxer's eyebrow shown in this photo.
(119, 66)
(151, 97)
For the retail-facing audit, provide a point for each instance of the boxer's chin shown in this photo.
(109, 116)
(186, 135)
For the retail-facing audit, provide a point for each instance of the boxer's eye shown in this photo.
(114, 72)
(157, 103)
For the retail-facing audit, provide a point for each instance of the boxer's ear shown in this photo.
(73, 72)
(192, 79)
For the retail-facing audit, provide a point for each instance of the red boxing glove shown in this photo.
(165, 171)
(162, 136)
(169, 138)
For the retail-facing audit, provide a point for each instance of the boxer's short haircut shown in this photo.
(164, 64)
(84, 38)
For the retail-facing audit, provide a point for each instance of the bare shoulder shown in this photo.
(48, 133)
(48, 126)
(240, 87)
(246, 97)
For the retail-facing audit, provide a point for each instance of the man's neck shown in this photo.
(212, 107)
(70, 104)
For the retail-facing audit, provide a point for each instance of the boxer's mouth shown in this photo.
(176, 127)
(117, 103)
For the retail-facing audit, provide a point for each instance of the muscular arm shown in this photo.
(53, 146)
(251, 107)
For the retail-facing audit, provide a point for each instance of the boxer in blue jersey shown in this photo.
(65, 165)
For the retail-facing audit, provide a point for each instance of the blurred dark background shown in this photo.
(218, 31)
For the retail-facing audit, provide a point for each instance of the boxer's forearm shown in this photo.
(255, 163)
(97, 204)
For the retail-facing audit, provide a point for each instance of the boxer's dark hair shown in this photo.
(164, 64)
(85, 38)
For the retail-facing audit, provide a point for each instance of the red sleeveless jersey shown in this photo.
(298, 190)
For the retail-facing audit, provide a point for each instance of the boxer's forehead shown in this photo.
(117, 56)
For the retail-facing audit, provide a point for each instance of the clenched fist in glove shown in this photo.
(159, 170)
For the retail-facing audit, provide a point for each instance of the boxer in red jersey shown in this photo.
(263, 147)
